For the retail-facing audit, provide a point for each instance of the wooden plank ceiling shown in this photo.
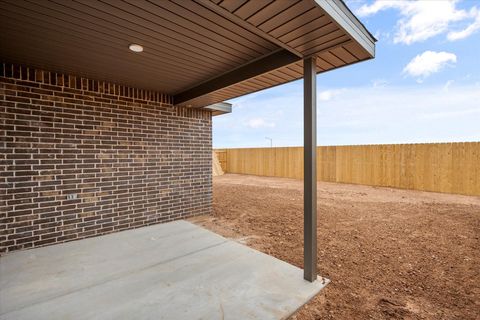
(186, 42)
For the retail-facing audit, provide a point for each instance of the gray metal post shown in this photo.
(310, 169)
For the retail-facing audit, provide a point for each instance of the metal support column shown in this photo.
(310, 169)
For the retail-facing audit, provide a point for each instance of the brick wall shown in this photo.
(80, 158)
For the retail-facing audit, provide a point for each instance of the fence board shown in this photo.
(439, 167)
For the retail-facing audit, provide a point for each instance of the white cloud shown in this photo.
(379, 83)
(382, 35)
(360, 115)
(329, 94)
(377, 6)
(427, 63)
(469, 30)
(451, 114)
(421, 20)
(256, 123)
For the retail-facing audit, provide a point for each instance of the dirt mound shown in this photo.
(391, 254)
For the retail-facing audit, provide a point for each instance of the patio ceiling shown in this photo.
(201, 52)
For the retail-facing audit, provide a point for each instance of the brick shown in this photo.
(131, 158)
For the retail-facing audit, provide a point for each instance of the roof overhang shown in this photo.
(220, 108)
(201, 52)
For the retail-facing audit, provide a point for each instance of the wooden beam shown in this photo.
(267, 63)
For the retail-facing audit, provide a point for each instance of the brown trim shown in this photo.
(263, 65)
(246, 25)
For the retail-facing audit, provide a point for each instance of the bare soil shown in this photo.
(391, 254)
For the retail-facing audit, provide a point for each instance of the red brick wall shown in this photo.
(126, 156)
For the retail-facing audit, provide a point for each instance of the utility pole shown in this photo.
(271, 141)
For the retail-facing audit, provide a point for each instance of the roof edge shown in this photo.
(346, 20)
(219, 108)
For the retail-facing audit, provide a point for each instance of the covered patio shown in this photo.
(142, 80)
(175, 270)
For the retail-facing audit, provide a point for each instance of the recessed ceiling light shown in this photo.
(135, 47)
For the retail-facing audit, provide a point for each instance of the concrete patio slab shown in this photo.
(175, 270)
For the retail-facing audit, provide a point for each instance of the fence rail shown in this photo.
(439, 167)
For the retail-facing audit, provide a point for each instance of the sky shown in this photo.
(423, 85)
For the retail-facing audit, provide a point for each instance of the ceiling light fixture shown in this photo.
(135, 47)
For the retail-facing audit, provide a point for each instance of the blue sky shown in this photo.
(422, 86)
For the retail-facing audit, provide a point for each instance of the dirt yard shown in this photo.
(391, 254)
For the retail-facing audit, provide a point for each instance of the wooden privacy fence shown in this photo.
(439, 167)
